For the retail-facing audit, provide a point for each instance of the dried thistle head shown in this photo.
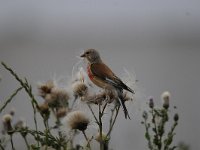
(61, 112)
(107, 95)
(12, 112)
(45, 88)
(57, 98)
(51, 100)
(151, 102)
(166, 97)
(80, 89)
(94, 99)
(7, 119)
(44, 109)
(127, 97)
(78, 120)
(176, 117)
(20, 124)
(145, 115)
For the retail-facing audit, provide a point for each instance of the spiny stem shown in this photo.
(104, 107)
(11, 141)
(24, 84)
(100, 128)
(10, 98)
(42, 135)
(86, 138)
(147, 135)
(113, 122)
(73, 103)
(26, 142)
(170, 134)
(47, 131)
(163, 122)
(111, 117)
(35, 121)
(93, 113)
(28, 90)
(155, 125)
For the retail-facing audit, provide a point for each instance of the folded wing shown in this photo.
(103, 72)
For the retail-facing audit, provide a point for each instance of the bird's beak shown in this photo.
(83, 55)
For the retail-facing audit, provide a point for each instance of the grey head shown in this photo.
(92, 56)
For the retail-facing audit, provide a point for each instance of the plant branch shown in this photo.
(93, 113)
(113, 122)
(11, 141)
(28, 90)
(100, 128)
(10, 98)
(88, 141)
(26, 142)
(104, 107)
(24, 84)
(147, 135)
(171, 134)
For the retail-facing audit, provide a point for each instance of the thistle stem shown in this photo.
(100, 128)
(155, 125)
(10, 98)
(93, 114)
(11, 141)
(35, 121)
(113, 122)
(86, 138)
(26, 142)
(147, 135)
(73, 103)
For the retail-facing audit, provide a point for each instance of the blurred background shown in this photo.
(159, 41)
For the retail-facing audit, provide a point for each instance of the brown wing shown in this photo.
(103, 72)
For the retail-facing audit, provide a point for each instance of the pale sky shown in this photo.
(159, 41)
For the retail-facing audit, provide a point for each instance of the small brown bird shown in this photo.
(102, 76)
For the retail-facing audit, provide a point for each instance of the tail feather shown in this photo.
(129, 89)
(122, 102)
(121, 84)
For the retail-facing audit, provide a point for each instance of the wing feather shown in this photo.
(103, 72)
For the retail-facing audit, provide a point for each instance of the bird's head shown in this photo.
(92, 56)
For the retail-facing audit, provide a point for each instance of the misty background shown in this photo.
(159, 41)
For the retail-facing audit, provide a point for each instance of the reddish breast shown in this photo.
(90, 75)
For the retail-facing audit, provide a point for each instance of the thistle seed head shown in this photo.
(78, 120)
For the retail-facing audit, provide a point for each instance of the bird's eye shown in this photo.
(87, 53)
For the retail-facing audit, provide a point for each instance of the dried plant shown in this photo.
(155, 121)
(69, 122)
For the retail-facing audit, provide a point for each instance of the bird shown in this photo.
(102, 76)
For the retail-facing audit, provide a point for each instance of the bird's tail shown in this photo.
(130, 90)
(122, 102)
